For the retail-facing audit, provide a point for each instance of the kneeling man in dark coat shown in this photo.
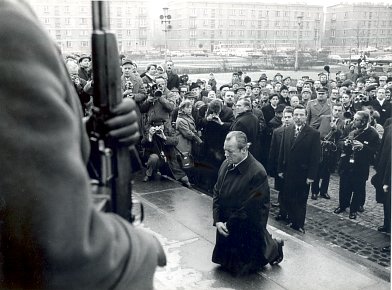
(240, 210)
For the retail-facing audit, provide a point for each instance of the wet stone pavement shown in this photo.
(358, 238)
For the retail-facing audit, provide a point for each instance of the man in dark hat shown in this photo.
(196, 89)
(240, 91)
(371, 91)
(84, 71)
(129, 73)
(306, 95)
(256, 91)
(278, 77)
(262, 81)
(287, 81)
(159, 143)
(318, 107)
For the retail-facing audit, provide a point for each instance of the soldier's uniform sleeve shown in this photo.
(51, 236)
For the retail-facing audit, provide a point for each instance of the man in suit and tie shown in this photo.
(298, 160)
(277, 137)
(331, 129)
(318, 107)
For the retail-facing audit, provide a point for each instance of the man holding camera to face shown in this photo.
(159, 143)
(159, 103)
(358, 150)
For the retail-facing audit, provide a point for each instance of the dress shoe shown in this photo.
(383, 229)
(361, 209)
(339, 210)
(325, 195)
(353, 215)
(146, 178)
(279, 258)
(314, 196)
(185, 182)
(275, 204)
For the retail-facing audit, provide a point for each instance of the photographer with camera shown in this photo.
(159, 103)
(358, 150)
(159, 143)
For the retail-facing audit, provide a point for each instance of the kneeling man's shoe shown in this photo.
(185, 182)
(279, 258)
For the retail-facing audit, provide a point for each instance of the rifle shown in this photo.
(111, 161)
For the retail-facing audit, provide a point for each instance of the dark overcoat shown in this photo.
(363, 158)
(299, 159)
(241, 200)
(248, 123)
(383, 166)
(277, 137)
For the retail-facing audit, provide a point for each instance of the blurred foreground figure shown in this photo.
(240, 211)
(51, 235)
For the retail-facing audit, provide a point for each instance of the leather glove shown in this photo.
(124, 126)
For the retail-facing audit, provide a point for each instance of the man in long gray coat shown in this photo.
(52, 237)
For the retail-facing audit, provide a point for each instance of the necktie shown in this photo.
(297, 129)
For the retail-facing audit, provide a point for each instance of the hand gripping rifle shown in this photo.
(111, 161)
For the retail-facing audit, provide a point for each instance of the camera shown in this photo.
(154, 91)
(128, 85)
(158, 130)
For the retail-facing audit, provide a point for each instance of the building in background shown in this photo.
(358, 27)
(69, 22)
(212, 25)
(205, 24)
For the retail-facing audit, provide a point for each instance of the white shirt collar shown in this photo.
(381, 101)
(235, 165)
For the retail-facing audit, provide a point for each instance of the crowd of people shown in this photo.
(301, 130)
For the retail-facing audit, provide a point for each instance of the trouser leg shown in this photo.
(325, 183)
(152, 164)
(344, 190)
(387, 211)
(359, 189)
(301, 208)
(315, 187)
